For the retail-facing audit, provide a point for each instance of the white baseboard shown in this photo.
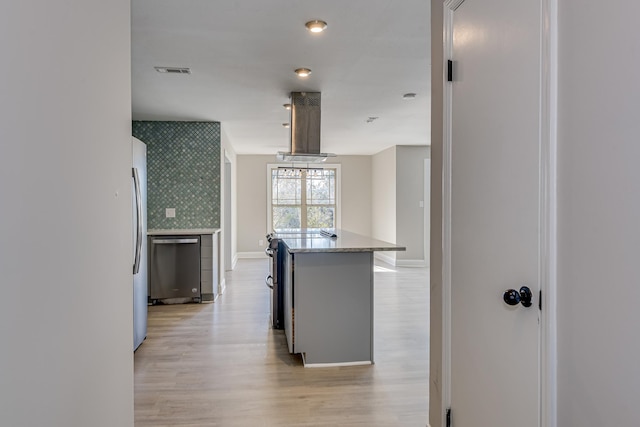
(417, 263)
(385, 258)
(410, 263)
(222, 286)
(234, 261)
(259, 254)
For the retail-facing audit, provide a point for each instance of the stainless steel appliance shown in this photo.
(139, 175)
(175, 268)
(277, 253)
(305, 129)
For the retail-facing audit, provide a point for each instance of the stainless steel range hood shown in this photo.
(305, 130)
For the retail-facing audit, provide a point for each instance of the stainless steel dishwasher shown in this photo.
(174, 268)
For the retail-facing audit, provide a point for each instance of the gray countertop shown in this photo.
(345, 241)
(182, 232)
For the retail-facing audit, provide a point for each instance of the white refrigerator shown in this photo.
(139, 183)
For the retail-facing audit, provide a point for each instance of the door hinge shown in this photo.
(540, 300)
(449, 70)
(448, 417)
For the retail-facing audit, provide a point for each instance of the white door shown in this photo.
(494, 211)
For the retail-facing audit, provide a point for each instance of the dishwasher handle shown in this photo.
(173, 241)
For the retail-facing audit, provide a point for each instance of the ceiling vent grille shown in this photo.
(173, 70)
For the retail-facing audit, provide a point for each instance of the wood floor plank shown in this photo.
(221, 364)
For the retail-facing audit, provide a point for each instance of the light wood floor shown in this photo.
(221, 364)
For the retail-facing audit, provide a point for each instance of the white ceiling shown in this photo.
(242, 54)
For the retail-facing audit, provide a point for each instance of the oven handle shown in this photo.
(269, 281)
(269, 252)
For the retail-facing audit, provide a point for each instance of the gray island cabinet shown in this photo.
(328, 298)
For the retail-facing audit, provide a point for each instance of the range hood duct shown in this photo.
(305, 130)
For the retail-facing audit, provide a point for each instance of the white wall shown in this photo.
(252, 197)
(599, 214)
(383, 207)
(398, 187)
(65, 185)
(356, 193)
(228, 236)
(252, 201)
(410, 185)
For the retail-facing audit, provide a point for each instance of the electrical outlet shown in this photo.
(260, 242)
(170, 212)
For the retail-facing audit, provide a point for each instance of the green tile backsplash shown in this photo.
(183, 172)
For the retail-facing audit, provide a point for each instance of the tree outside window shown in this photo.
(303, 198)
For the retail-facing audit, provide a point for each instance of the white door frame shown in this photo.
(548, 207)
(227, 224)
(426, 211)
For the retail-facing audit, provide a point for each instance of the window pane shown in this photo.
(286, 217)
(317, 210)
(320, 187)
(286, 187)
(320, 217)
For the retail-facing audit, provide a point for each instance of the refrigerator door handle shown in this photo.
(136, 182)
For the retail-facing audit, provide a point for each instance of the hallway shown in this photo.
(220, 364)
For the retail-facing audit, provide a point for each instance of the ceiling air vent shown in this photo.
(173, 70)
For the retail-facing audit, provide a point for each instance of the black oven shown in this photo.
(276, 261)
(277, 252)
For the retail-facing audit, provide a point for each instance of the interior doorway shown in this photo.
(227, 226)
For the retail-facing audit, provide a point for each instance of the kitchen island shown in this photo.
(328, 297)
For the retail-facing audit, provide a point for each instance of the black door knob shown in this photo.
(525, 296)
(513, 297)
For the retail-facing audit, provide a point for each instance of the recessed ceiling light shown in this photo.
(316, 26)
(303, 72)
(287, 125)
(173, 70)
(287, 106)
(409, 96)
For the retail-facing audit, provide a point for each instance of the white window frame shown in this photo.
(336, 166)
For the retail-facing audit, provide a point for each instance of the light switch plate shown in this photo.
(421, 204)
(170, 212)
